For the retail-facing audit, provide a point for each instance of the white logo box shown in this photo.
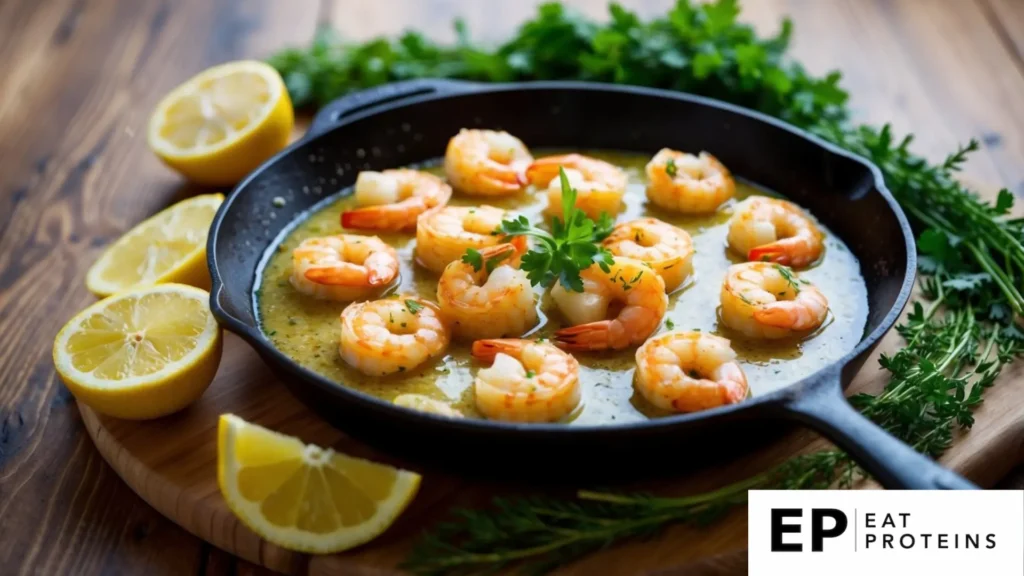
(927, 533)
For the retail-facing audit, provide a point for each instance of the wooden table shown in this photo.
(78, 79)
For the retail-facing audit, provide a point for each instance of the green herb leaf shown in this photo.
(571, 246)
(789, 277)
(413, 306)
(474, 258)
(497, 259)
(670, 167)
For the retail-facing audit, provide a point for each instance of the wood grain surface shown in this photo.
(81, 76)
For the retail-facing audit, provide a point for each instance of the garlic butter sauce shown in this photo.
(307, 330)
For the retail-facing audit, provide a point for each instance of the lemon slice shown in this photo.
(303, 497)
(140, 354)
(222, 123)
(169, 247)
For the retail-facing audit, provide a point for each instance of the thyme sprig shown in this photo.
(540, 534)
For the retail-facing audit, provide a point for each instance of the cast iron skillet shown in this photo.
(399, 124)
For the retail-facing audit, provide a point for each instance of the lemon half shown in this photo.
(140, 354)
(169, 247)
(222, 123)
(303, 497)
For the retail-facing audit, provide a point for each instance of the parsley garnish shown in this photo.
(475, 259)
(568, 249)
(413, 306)
(530, 373)
(670, 324)
(670, 167)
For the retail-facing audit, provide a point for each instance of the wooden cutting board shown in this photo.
(171, 463)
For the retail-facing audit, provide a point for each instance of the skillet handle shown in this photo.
(340, 110)
(895, 465)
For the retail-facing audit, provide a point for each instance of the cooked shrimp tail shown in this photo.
(527, 381)
(394, 199)
(802, 314)
(766, 300)
(378, 269)
(505, 250)
(771, 230)
(383, 337)
(342, 275)
(486, 162)
(593, 336)
(486, 350)
(343, 267)
(630, 289)
(390, 217)
(689, 371)
(543, 170)
(487, 299)
(785, 251)
(443, 234)
(381, 269)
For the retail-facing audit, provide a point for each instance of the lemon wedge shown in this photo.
(169, 247)
(140, 354)
(303, 497)
(222, 123)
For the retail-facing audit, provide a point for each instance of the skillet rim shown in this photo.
(453, 89)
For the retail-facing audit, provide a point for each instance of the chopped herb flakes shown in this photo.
(670, 167)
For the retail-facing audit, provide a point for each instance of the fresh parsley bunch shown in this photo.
(697, 48)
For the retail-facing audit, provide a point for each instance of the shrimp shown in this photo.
(599, 185)
(392, 335)
(486, 163)
(669, 250)
(765, 300)
(527, 381)
(488, 301)
(630, 290)
(686, 183)
(443, 234)
(394, 199)
(343, 267)
(771, 230)
(426, 404)
(689, 371)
